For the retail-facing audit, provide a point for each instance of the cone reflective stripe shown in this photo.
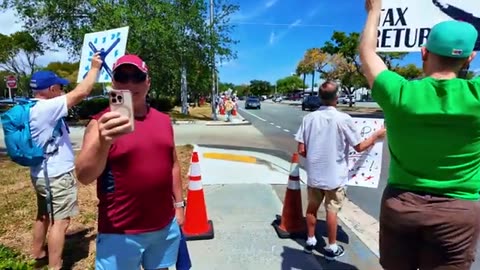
(196, 225)
(292, 224)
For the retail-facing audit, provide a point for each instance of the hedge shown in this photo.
(88, 108)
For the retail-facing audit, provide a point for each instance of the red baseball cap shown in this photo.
(131, 59)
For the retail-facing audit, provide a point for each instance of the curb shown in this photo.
(184, 122)
(243, 122)
(230, 157)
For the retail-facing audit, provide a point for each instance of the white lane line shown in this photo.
(286, 130)
(279, 127)
(254, 115)
(273, 124)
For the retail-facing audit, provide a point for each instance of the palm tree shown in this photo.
(302, 69)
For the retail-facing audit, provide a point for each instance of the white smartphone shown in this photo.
(121, 102)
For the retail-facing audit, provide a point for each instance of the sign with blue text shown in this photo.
(405, 24)
(110, 43)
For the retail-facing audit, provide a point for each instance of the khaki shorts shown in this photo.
(333, 198)
(64, 195)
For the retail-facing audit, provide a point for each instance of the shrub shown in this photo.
(88, 108)
(10, 259)
(163, 104)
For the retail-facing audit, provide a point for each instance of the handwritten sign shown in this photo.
(404, 25)
(364, 168)
(110, 43)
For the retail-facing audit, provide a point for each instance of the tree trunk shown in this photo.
(304, 79)
(313, 81)
(184, 92)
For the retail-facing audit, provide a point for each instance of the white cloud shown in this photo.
(276, 37)
(10, 23)
(272, 38)
(270, 3)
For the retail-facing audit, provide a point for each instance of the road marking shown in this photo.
(279, 127)
(362, 224)
(286, 130)
(230, 157)
(273, 124)
(254, 115)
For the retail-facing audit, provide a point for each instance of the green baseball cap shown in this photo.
(454, 39)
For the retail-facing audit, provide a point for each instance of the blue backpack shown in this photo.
(18, 139)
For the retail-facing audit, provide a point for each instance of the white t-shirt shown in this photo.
(327, 135)
(43, 119)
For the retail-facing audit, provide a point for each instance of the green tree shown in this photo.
(409, 71)
(18, 56)
(302, 70)
(346, 63)
(258, 87)
(241, 90)
(222, 87)
(289, 84)
(176, 35)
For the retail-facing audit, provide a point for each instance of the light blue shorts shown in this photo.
(152, 250)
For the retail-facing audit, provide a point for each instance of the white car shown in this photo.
(345, 100)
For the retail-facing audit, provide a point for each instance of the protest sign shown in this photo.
(112, 45)
(405, 24)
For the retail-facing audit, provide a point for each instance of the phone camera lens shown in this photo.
(119, 98)
(113, 95)
(114, 100)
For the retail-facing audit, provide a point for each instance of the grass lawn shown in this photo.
(196, 113)
(18, 210)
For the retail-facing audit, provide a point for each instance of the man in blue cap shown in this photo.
(430, 211)
(46, 115)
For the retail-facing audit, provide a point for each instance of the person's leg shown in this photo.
(64, 190)
(161, 247)
(450, 234)
(315, 198)
(400, 237)
(40, 227)
(333, 203)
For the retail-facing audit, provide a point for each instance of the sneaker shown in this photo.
(330, 255)
(308, 248)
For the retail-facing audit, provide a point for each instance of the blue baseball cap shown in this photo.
(43, 79)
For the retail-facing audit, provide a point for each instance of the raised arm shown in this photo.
(372, 64)
(84, 88)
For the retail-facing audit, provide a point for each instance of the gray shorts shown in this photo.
(64, 195)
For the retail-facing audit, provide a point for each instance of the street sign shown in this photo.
(11, 81)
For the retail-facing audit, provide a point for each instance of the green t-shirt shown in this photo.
(433, 129)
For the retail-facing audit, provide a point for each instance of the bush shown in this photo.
(88, 108)
(163, 104)
(12, 260)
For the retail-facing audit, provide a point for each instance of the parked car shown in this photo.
(311, 103)
(253, 102)
(345, 100)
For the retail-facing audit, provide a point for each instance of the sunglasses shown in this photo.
(125, 77)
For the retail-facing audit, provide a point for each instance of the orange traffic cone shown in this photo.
(292, 224)
(222, 110)
(196, 225)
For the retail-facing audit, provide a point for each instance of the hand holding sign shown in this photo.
(97, 61)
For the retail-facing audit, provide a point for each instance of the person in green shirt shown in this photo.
(430, 210)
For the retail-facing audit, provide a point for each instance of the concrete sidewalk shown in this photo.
(242, 202)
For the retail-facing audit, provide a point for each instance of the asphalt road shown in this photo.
(280, 122)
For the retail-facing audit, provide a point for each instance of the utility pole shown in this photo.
(214, 111)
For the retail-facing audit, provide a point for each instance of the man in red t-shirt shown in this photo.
(138, 179)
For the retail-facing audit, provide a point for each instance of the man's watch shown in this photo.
(181, 204)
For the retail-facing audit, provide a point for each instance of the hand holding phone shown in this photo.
(121, 102)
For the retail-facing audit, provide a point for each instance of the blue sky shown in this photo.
(274, 34)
